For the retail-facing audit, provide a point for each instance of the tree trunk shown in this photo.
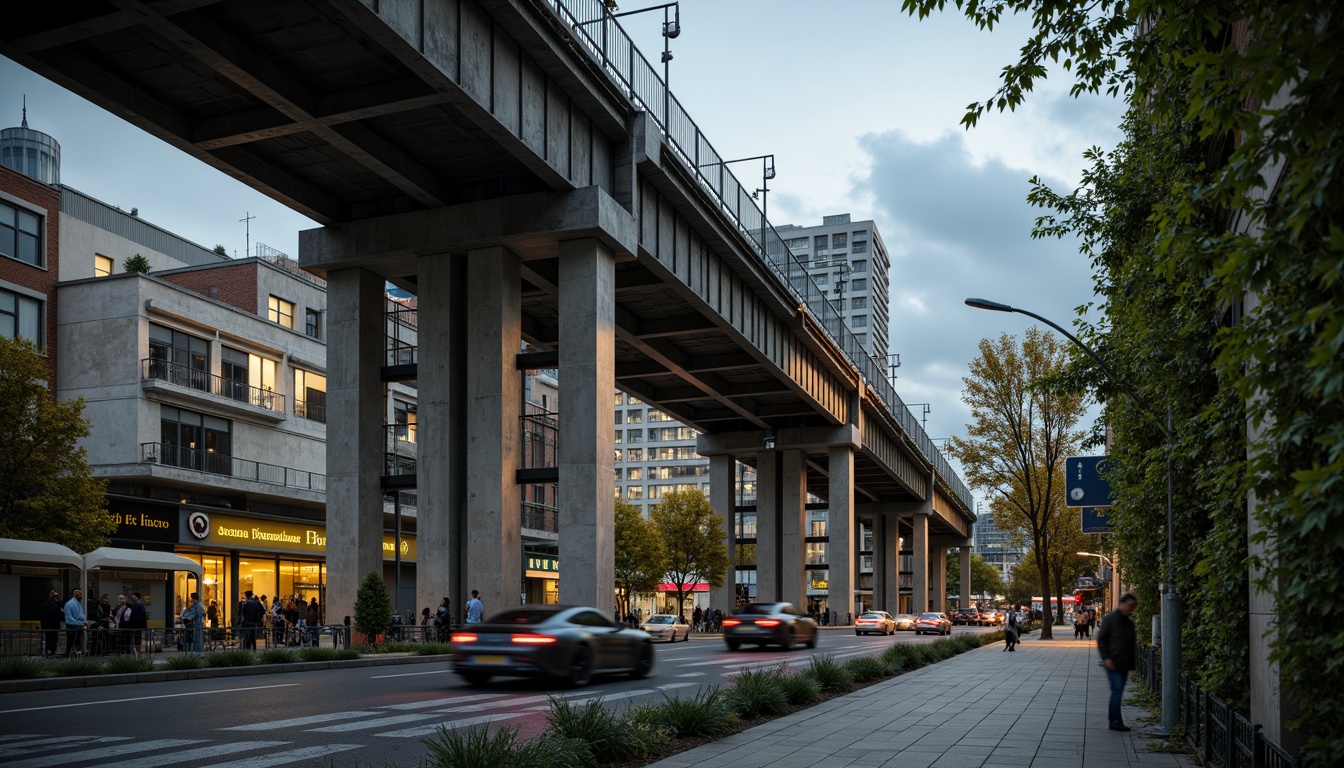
(1043, 565)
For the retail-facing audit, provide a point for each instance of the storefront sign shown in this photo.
(540, 566)
(144, 523)
(254, 534)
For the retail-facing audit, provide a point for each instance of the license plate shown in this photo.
(747, 629)
(491, 660)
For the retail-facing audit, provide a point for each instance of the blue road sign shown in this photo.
(1096, 520)
(1083, 482)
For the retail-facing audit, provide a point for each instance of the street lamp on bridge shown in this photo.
(1171, 600)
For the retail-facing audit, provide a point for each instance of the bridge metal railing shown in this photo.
(599, 34)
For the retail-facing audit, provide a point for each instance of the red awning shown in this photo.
(701, 587)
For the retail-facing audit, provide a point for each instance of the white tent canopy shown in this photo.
(40, 553)
(140, 560)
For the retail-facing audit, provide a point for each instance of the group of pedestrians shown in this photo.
(291, 621)
(109, 629)
(1084, 619)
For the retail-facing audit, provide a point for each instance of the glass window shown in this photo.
(617, 437)
(233, 365)
(312, 325)
(634, 473)
(839, 240)
(178, 357)
(860, 265)
(859, 246)
(195, 440)
(634, 492)
(858, 302)
(634, 436)
(821, 242)
(634, 417)
(280, 312)
(618, 458)
(816, 553)
(310, 395)
(21, 317)
(403, 417)
(634, 454)
(860, 321)
(620, 417)
(859, 284)
(21, 235)
(102, 265)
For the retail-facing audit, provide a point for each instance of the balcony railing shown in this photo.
(541, 438)
(539, 517)
(595, 31)
(311, 411)
(402, 325)
(399, 458)
(157, 369)
(169, 455)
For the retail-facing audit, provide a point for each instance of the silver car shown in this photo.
(875, 622)
(666, 627)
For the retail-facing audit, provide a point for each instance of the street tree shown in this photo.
(641, 558)
(1066, 565)
(985, 578)
(693, 534)
(47, 490)
(1019, 435)
(1025, 581)
(373, 608)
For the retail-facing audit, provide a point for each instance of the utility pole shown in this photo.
(247, 232)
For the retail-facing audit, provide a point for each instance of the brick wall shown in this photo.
(233, 284)
(41, 279)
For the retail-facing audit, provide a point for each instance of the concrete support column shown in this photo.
(887, 552)
(768, 487)
(965, 577)
(587, 422)
(938, 578)
(840, 527)
(723, 500)
(441, 436)
(356, 435)
(494, 409)
(793, 528)
(919, 587)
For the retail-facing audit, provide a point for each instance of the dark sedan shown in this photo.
(934, 622)
(763, 624)
(550, 641)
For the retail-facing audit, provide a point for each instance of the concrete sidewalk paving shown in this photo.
(1043, 706)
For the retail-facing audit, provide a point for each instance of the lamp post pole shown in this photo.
(671, 29)
(767, 173)
(1110, 592)
(1171, 600)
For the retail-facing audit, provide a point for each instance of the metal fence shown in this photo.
(171, 455)
(593, 30)
(158, 369)
(1220, 735)
(157, 641)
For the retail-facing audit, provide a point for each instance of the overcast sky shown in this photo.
(861, 106)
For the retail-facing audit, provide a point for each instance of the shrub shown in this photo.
(757, 692)
(373, 607)
(128, 664)
(943, 649)
(830, 674)
(234, 658)
(345, 654)
(433, 649)
(77, 668)
(279, 656)
(21, 668)
(899, 658)
(317, 654)
(479, 748)
(800, 689)
(865, 669)
(708, 714)
(592, 723)
(184, 661)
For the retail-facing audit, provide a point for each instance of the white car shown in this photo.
(879, 622)
(666, 627)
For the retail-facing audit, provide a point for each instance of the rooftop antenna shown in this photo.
(247, 229)
(25, 110)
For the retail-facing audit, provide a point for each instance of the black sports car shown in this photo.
(568, 642)
(762, 624)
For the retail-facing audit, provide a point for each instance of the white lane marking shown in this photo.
(691, 674)
(23, 747)
(121, 750)
(365, 725)
(429, 730)
(290, 756)
(150, 698)
(413, 674)
(275, 725)
(186, 755)
(671, 686)
(443, 702)
(17, 736)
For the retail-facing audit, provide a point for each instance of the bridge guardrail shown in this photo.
(592, 26)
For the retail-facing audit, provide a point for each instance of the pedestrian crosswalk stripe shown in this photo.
(18, 748)
(120, 750)
(378, 723)
(444, 702)
(294, 722)
(494, 704)
(429, 730)
(192, 755)
(288, 756)
(691, 674)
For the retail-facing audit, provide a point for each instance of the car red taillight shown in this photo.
(530, 639)
(731, 622)
(767, 622)
(462, 637)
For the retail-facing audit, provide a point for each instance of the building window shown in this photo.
(312, 325)
(821, 242)
(179, 357)
(617, 471)
(620, 417)
(862, 339)
(281, 312)
(816, 553)
(634, 473)
(618, 458)
(634, 492)
(839, 240)
(403, 419)
(659, 416)
(634, 454)
(859, 246)
(310, 395)
(823, 278)
(21, 235)
(858, 302)
(860, 321)
(634, 417)
(102, 265)
(618, 438)
(634, 436)
(619, 396)
(21, 317)
(195, 441)
(859, 284)
(860, 265)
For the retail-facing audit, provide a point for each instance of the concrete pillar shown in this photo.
(886, 563)
(494, 409)
(356, 435)
(793, 528)
(840, 525)
(587, 423)
(919, 587)
(768, 468)
(938, 578)
(441, 432)
(965, 576)
(723, 500)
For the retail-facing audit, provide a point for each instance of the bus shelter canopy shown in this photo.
(41, 553)
(140, 560)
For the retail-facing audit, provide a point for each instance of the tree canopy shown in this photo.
(47, 491)
(693, 534)
(641, 558)
(985, 578)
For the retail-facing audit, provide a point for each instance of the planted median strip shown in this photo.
(581, 735)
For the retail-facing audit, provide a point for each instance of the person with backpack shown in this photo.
(1011, 632)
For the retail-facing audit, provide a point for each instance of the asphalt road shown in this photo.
(346, 717)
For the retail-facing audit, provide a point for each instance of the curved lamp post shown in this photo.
(1110, 590)
(1171, 600)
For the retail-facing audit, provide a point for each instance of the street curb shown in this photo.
(209, 673)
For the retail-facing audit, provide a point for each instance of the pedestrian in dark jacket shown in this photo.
(53, 615)
(1117, 644)
(139, 621)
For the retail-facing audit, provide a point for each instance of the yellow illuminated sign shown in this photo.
(284, 536)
